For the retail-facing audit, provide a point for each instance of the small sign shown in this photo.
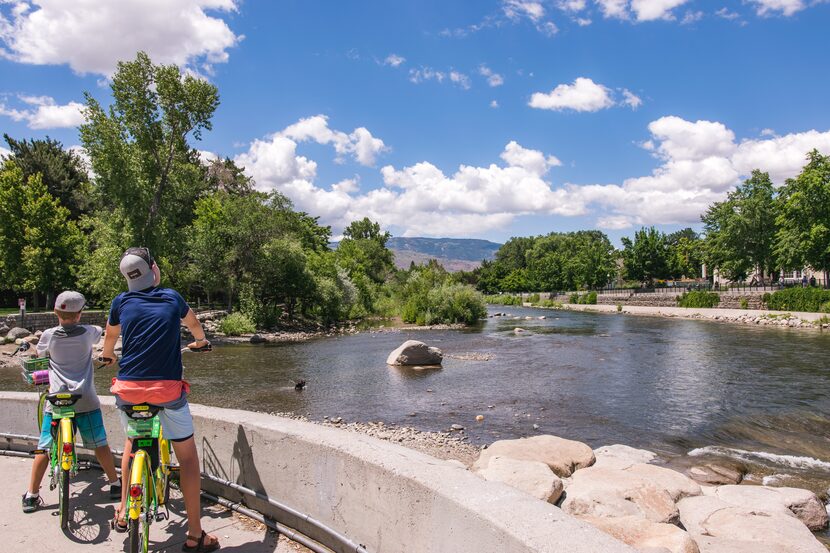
(21, 303)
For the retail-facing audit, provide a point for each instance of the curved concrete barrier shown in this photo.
(389, 498)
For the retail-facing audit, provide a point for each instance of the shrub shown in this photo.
(550, 303)
(573, 298)
(619, 307)
(699, 299)
(236, 324)
(825, 307)
(744, 303)
(534, 298)
(584, 299)
(799, 299)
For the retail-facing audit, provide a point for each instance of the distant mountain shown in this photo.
(455, 254)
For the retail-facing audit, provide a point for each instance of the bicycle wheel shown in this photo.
(63, 498)
(139, 528)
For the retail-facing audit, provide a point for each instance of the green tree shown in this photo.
(139, 148)
(223, 175)
(39, 244)
(647, 256)
(741, 230)
(804, 221)
(363, 251)
(62, 171)
(685, 254)
(571, 261)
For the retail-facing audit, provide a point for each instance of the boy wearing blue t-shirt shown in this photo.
(69, 347)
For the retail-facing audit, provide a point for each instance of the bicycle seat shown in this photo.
(62, 398)
(141, 411)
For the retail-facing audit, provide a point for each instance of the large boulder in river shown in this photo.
(17, 333)
(413, 352)
(532, 477)
(644, 535)
(721, 527)
(801, 504)
(561, 455)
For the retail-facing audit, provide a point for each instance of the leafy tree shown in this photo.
(804, 221)
(62, 171)
(647, 256)
(685, 254)
(139, 148)
(363, 251)
(223, 175)
(39, 243)
(571, 261)
(741, 230)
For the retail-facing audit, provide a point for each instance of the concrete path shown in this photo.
(691, 312)
(89, 529)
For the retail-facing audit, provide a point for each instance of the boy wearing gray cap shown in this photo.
(69, 346)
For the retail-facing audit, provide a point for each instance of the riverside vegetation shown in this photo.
(64, 223)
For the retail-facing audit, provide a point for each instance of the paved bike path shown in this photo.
(92, 510)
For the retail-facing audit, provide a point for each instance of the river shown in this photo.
(670, 385)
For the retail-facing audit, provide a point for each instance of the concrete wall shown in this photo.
(389, 498)
(42, 321)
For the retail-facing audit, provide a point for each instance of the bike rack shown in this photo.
(318, 537)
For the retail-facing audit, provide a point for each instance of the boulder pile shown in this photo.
(626, 494)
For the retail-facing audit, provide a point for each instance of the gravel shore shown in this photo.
(441, 445)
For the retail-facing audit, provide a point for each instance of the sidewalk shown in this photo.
(89, 527)
(692, 312)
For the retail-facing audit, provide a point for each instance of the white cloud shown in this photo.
(494, 104)
(781, 7)
(45, 113)
(4, 152)
(394, 60)
(583, 95)
(571, 5)
(692, 17)
(516, 9)
(701, 162)
(426, 74)
(360, 143)
(583, 21)
(630, 99)
(639, 10)
(493, 79)
(532, 160)
(725, 13)
(92, 35)
(460, 79)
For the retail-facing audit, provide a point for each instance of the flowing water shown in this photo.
(758, 395)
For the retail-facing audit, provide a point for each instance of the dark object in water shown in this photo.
(299, 385)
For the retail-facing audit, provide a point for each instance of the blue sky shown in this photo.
(565, 114)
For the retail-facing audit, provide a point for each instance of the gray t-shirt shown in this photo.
(70, 364)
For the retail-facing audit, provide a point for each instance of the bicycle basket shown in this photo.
(36, 370)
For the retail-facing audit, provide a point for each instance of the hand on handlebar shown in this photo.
(103, 361)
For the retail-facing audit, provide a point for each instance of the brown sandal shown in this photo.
(200, 546)
(115, 523)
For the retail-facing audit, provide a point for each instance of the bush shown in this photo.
(503, 299)
(825, 307)
(799, 299)
(236, 324)
(550, 303)
(534, 298)
(449, 303)
(584, 299)
(744, 303)
(573, 298)
(619, 307)
(699, 299)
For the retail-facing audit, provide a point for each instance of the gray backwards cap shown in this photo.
(69, 301)
(137, 267)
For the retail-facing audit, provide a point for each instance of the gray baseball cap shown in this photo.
(70, 301)
(137, 267)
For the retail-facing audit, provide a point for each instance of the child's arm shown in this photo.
(111, 337)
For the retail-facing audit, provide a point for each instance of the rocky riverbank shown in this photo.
(802, 321)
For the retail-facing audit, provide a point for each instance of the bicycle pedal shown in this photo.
(160, 517)
(173, 468)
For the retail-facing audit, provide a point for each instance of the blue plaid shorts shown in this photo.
(90, 425)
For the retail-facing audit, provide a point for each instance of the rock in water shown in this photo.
(413, 352)
(16, 333)
(561, 455)
(712, 474)
(530, 477)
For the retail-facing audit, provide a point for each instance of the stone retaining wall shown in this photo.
(667, 299)
(385, 496)
(42, 321)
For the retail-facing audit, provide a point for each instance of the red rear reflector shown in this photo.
(135, 491)
(67, 448)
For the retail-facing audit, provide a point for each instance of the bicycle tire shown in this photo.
(139, 528)
(63, 492)
(134, 536)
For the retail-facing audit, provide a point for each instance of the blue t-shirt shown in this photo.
(150, 333)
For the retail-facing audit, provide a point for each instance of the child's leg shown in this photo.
(104, 456)
(38, 470)
(125, 477)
